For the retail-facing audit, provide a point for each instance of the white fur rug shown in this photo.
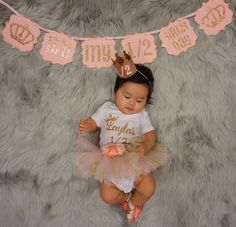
(193, 112)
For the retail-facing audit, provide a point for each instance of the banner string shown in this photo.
(87, 38)
(9, 7)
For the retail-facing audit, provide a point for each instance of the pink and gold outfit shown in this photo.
(116, 160)
(117, 163)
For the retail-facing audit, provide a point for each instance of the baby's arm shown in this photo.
(147, 143)
(87, 126)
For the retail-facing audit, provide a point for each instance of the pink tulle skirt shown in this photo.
(91, 161)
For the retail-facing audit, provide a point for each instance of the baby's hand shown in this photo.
(146, 143)
(87, 126)
(140, 147)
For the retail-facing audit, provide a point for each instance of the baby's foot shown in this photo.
(134, 213)
(124, 205)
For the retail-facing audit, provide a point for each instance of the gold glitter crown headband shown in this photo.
(125, 67)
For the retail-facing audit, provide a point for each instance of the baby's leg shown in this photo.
(111, 194)
(145, 188)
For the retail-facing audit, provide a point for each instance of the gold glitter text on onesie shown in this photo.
(110, 120)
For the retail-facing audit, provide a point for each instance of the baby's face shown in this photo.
(131, 97)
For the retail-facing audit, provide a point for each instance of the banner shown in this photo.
(59, 48)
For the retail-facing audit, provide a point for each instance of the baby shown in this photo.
(128, 152)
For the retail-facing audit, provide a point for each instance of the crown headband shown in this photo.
(125, 67)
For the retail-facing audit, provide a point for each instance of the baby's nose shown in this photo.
(131, 102)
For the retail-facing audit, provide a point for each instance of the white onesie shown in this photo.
(117, 127)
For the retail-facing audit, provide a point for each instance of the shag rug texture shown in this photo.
(193, 113)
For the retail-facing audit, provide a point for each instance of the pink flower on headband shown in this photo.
(113, 149)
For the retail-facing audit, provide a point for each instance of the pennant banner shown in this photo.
(59, 48)
(141, 48)
(213, 17)
(97, 53)
(21, 33)
(177, 37)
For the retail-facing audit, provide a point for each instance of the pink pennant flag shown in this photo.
(58, 48)
(21, 33)
(141, 47)
(98, 52)
(178, 36)
(213, 16)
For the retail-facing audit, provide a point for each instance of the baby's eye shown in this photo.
(127, 97)
(139, 101)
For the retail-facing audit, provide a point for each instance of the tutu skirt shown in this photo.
(91, 161)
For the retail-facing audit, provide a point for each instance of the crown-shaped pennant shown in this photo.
(21, 33)
(125, 67)
(213, 16)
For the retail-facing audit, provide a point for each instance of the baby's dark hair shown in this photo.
(143, 75)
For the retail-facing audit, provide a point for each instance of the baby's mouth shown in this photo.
(129, 109)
